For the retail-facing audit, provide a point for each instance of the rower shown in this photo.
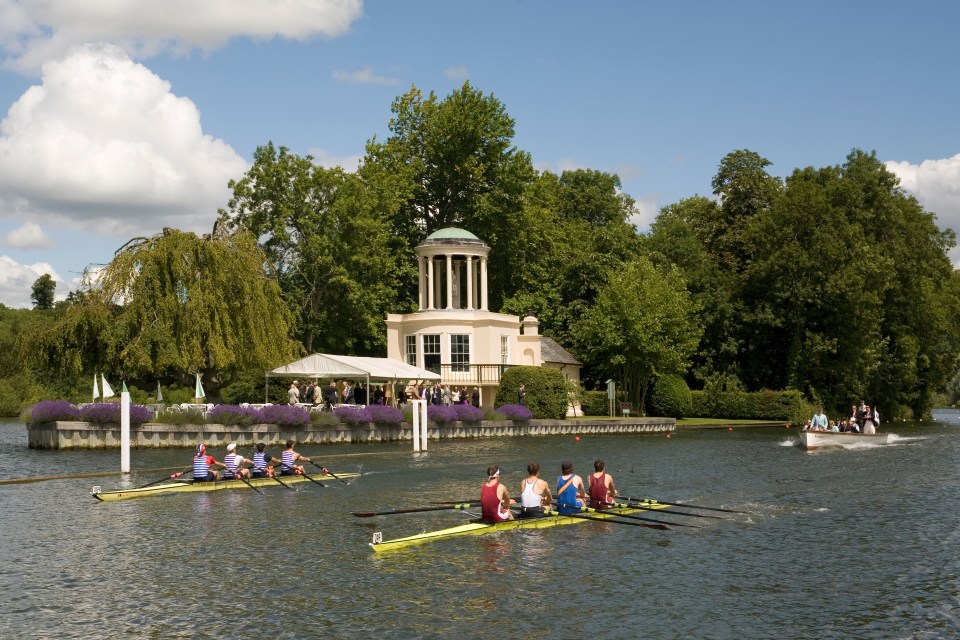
(495, 499)
(571, 495)
(534, 494)
(602, 490)
(262, 467)
(289, 459)
(204, 466)
(234, 464)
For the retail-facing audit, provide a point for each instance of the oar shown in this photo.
(583, 516)
(390, 512)
(245, 481)
(680, 504)
(275, 477)
(304, 474)
(328, 472)
(629, 516)
(170, 477)
(637, 505)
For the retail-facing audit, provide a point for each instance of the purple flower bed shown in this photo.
(381, 414)
(231, 414)
(352, 414)
(441, 414)
(52, 411)
(515, 412)
(285, 415)
(109, 413)
(467, 412)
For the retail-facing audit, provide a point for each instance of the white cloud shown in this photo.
(457, 73)
(102, 144)
(363, 76)
(936, 184)
(326, 159)
(16, 282)
(34, 31)
(645, 210)
(28, 236)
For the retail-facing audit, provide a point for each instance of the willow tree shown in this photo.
(171, 305)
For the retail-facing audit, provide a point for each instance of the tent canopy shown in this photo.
(320, 365)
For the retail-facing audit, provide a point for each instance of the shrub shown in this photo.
(440, 414)
(285, 415)
(234, 415)
(381, 414)
(109, 413)
(467, 412)
(595, 403)
(515, 412)
(352, 414)
(761, 405)
(546, 391)
(51, 411)
(670, 397)
(179, 417)
(322, 418)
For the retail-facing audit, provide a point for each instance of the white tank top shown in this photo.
(528, 498)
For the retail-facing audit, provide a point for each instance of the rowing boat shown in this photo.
(816, 439)
(476, 528)
(188, 486)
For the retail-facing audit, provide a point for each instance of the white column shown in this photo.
(449, 281)
(483, 284)
(423, 424)
(429, 282)
(421, 292)
(415, 404)
(125, 431)
(470, 304)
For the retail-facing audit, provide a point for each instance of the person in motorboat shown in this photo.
(819, 420)
(602, 490)
(834, 427)
(571, 494)
(534, 494)
(204, 466)
(234, 464)
(495, 500)
(289, 459)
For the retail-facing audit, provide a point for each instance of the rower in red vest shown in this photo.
(204, 466)
(495, 499)
(602, 490)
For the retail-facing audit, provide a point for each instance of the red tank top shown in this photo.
(598, 492)
(490, 504)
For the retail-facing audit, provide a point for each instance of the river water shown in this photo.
(860, 542)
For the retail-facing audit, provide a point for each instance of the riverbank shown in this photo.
(84, 435)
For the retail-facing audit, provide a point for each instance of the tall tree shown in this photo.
(328, 241)
(170, 305)
(643, 324)
(457, 160)
(43, 291)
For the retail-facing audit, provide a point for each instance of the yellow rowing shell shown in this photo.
(191, 487)
(480, 528)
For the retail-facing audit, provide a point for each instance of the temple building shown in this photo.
(454, 333)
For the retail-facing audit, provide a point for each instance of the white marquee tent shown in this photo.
(320, 365)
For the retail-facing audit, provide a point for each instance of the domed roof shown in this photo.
(452, 233)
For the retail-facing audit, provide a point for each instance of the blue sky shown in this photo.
(121, 117)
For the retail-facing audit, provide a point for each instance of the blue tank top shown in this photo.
(568, 496)
(259, 461)
(286, 458)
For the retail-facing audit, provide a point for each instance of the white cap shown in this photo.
(232, 446)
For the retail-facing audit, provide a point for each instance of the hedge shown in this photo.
(546, 391)
(760, 405)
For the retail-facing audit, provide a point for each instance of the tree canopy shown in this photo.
(172, 305)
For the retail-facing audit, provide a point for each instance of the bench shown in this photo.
(626, 408)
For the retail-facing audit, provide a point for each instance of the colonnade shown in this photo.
(441, 276)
